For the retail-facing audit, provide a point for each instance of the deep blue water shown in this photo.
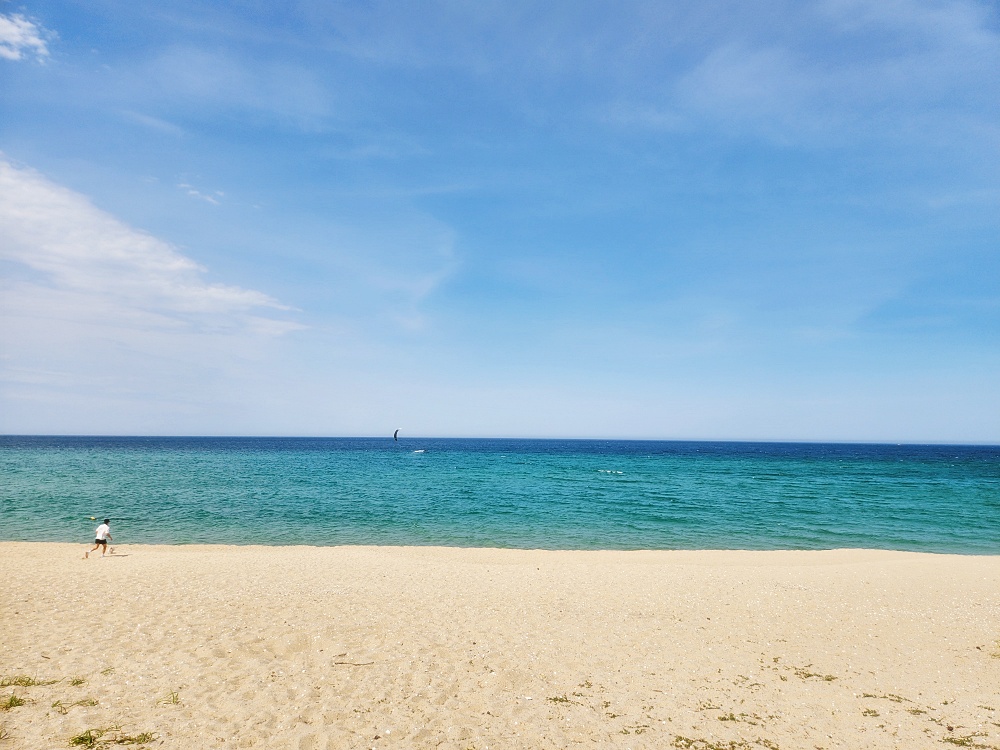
(555, 494)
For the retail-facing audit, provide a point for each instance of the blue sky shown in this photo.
(719, 220)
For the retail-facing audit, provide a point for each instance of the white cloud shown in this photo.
(95, 312)
(18, 36)
(75, 248)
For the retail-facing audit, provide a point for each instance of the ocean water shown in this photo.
(550, 494)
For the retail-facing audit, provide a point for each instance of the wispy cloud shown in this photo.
(403, 262)
(155, 123)
(74, 247)
(96, 312)
(20, 36)
(213, 197)
(740, 87)
(829, 74)
(189, 76)
(960, 23)
(88, 266)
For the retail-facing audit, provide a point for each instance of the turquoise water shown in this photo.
(554, 494)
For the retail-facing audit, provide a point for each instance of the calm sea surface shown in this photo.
(555, 494)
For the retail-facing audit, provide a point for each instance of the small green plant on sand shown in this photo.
(968, 740)
(111, 736)
(135, 739)
(751, 719)
(12, 701)
(64, 708)
(23, 680)
(637, 729)
(687, 743)
(89, 738)
(805, 674)
(172, 698)
(77, 681)
(888, 696)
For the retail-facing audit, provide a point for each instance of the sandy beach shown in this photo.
(394, 647)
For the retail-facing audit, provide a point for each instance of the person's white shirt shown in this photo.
(102, 531)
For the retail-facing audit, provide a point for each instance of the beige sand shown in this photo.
(366, 647)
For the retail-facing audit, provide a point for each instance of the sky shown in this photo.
(687, 220)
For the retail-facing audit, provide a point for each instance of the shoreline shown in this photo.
(304, 647)
(555, 550)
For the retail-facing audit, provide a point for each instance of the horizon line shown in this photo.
(774, 441)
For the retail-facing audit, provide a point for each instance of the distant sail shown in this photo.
(395, 436)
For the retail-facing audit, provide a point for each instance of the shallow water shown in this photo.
(555, 494)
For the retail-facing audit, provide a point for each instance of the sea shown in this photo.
(530, 494)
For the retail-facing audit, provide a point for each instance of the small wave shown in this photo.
(609, 471)
(419, 451)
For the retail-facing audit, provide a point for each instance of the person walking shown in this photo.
(101, 537)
